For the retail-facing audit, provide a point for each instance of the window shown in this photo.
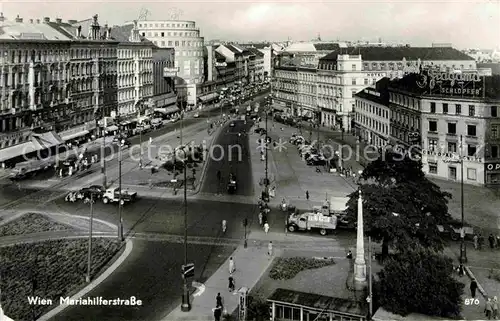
(471, 130)
(452, 128)
(472, 111)
(471, 150)
(494, 111)
(433, 107)
(471, 174)
(445, 108)
(458, 109)
(366, 81)
(494, 131)
(452, 147)
(433, 126)
(354, 81)
(433, 144)
(494, 151)
(353, 67)
(433, 168)
(163, 34)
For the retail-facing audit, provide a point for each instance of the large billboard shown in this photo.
(454, 83)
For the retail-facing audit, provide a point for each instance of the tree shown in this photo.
(401, 206)
(419, 281)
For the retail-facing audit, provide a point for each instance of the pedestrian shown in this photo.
(461, 270)
(224, 226)
(260, 218)
(217, 313)
(480, 241)
(218, 300)
(488, 309)
(150, 140)
(476, 241)
(349, 255)
(307, 195)
(495, 308)
(231, 265)
(270, 248)
(231, 284)
(491, 239)
(473, 288)
(266, 227)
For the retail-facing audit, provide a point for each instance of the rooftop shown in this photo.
(255, 45)
(311, 47)
(122, 34)
(31, 31)
(256, 52)
(235, 49)
(495, 67)
(398, 53)
(373, 95)
(218, 56)
(320, 302)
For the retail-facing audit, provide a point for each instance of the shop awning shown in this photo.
(209, 97)
(279, 107)
(47, 140)
(74, 135)
(168, 110)
(111, 128)
(17, 150)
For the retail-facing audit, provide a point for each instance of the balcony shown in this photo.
(170, 72)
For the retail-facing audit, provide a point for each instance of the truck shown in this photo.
(312, 221)
(337, 207)
(232, 184)
(112, 195)
(30, 168)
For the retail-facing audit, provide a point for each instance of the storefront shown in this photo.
(208, 98)
(492, 174)
(288, 305)
(449, 166)
(166, 112)
(75, 135)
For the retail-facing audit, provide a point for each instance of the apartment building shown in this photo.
(345, 71)
(164, 71)
(55, 78)
(220, 73)
(259, 75)
(448, 119)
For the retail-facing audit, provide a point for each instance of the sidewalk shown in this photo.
(250, 264)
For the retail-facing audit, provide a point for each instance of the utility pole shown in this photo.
(463, 251)
(370, 292)
(267, 147)
(89, 258)
(120, 223)
(186, 306)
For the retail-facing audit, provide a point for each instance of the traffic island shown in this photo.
(31, 223)
(36, 276)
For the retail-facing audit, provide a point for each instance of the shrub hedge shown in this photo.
(49, 270)
(288, 268)
(31, 223)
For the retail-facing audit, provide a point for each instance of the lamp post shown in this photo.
(89, 257)
(267, 147)
(463, 250)
(186, 306)
(120, 202)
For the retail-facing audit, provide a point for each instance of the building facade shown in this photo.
(164, 96)
(54, 80)
(285, 86)
(449, 120)
(220, 73)
(258, 65)
(185, 38)
(376, 63)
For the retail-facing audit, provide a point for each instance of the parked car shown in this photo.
(112, 195)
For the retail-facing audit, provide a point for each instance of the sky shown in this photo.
(463, 23)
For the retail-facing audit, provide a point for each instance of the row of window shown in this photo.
(387, 66)
(452, 171)
(127, 81)
(175, 34)
(404, 100)
(432, 145)
(373, 124)
(166, 25)
(445, 109)
(452, 128)
(130, 53)
(372, 109)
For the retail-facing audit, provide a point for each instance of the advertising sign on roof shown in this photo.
(454, 83)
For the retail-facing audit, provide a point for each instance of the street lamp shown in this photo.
(121, 142)
(186, 305)
(463, 250)
(89, 258)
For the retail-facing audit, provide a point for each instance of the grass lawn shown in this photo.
(52, 268)
(31, 223)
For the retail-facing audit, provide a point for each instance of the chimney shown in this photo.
(2, 18)
(58, 20)
(38, 21)
(72, 21)
(31, 20)
(46, 19)
(18, 19)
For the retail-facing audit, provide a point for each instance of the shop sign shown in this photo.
(492, 167)
(468, 84)
(451, 157)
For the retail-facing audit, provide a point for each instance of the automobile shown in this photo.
(316, 162)
(174, 120)
(97, 190)
(196, 115)
(259, 130)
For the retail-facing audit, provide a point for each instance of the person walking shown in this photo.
(217, 313)
(476, 241)
(231, 265)
(473, 288)
(491, 240)
(270, 248)
(218, 300)
(260, 218)
(266, 227)
(307, 195)
(495, 308)
(231, 284)
(224, 226)
(488, 309)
